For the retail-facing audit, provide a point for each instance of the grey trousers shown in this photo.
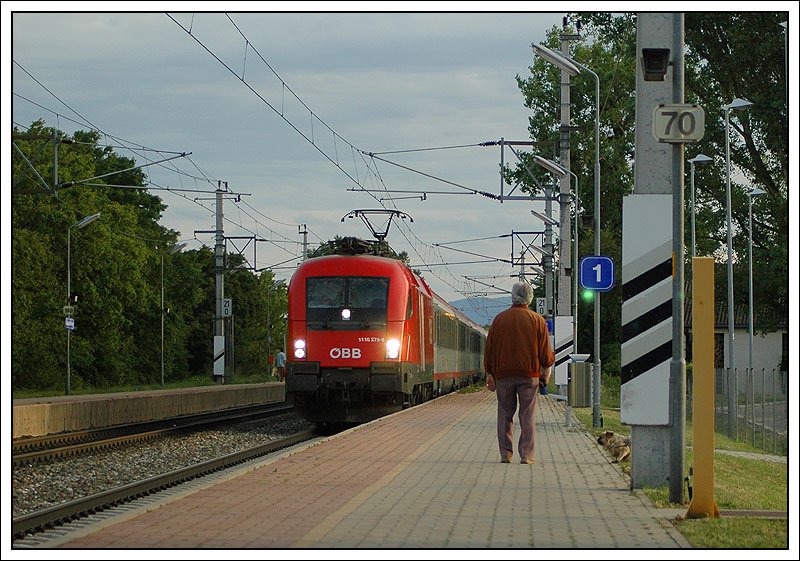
(509, 391)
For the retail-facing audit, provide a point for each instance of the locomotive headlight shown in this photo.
(300, 348)
(345, 314)
(392, 348)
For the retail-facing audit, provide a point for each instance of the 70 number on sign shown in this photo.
(679, 123)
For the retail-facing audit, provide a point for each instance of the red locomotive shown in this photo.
(367, 337)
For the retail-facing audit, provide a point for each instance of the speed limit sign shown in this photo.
(679, 123)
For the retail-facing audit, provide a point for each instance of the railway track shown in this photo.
(59, 515)
(43, 448)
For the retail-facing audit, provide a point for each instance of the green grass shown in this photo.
(739, 484)
(735, 533)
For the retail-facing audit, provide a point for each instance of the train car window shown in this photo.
(346, 303)
(410, 305)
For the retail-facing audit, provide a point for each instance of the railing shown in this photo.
(761, 405)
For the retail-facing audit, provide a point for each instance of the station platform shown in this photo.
(426, 477)
(54, 415)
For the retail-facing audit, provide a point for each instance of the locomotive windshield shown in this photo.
(340, 303)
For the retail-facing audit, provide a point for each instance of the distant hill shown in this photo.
(482, 310)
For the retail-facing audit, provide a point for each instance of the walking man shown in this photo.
(518, 357)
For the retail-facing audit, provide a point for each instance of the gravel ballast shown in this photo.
(42, 485)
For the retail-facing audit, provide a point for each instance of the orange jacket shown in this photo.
(518, 344)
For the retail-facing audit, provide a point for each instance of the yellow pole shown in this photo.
(702, 504)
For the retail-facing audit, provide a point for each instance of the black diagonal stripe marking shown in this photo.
(562, 360)
(219, 356)
(647, 361)
(646, 321)
(566, 345)
(647, 279)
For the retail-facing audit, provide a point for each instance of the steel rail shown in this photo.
(38, 449)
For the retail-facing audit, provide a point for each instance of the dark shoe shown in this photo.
(505, 460)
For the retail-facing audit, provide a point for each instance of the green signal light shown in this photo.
(587, 295)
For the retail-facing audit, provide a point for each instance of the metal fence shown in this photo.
(751, 407)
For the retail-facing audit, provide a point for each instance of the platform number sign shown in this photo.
(679, 123)
(597, 272)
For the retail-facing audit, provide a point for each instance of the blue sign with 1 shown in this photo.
(597, 272)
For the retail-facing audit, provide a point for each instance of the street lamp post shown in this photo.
(699, 159)
(737, 103)
(78, 225)
(573, 68)
(754, 193)
(560, 171)
(174, 249)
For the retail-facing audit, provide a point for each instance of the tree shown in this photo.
(729, 55)
(611, 57)
(741, 55)
(112, 272)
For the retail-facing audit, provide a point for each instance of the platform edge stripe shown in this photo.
(649, 278)
(646, 362)
(647, 321)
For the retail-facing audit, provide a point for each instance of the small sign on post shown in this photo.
(69, 323)
(596, 272)
(227, 307)
(541, 307)
(219, 356)
(679, 123)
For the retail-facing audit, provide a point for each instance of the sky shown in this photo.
(286, 107)
(306, 115)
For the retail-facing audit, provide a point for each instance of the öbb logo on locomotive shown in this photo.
(344, 352)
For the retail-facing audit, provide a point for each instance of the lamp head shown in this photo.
(541, 251)
(544, 218)
(86, 221)
(701, 159)
(556, 59)
(739, 103)
(756, 192)
(550, 166)
(178, 247)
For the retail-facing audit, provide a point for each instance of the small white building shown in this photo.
(770, 350)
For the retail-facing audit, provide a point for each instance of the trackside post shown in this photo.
(702, 504)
